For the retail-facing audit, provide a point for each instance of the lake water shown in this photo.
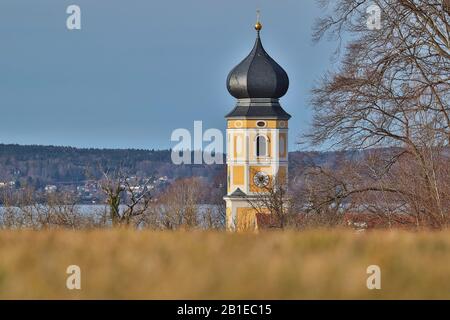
(96, 210)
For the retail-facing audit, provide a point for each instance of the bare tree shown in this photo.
(125, 199)
(321, 197)
(272, 202)
(28, 208)
(392, 90)
(178, 206)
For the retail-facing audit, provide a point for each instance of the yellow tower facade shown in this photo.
(257, 136)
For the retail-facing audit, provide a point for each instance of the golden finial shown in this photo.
(258, 25)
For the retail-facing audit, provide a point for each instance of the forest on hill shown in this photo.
(40, 166)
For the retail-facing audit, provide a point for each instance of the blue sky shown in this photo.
(139, 69)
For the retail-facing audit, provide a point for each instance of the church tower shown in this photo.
(257, 134)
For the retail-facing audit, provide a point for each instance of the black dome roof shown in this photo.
(258, 76)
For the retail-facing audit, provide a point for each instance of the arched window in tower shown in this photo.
(261, 146)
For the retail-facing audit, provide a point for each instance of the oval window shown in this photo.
(261, 124)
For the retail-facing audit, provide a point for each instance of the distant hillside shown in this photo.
(50, 165)
(43, 165)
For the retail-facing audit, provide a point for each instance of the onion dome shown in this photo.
(258, 75)
(258, 82)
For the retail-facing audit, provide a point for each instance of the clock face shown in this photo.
(261, 179)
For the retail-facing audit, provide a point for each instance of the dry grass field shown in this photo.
(127, 264)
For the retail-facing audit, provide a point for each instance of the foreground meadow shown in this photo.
(127, 264)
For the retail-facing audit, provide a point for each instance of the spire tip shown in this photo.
(258, 25)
